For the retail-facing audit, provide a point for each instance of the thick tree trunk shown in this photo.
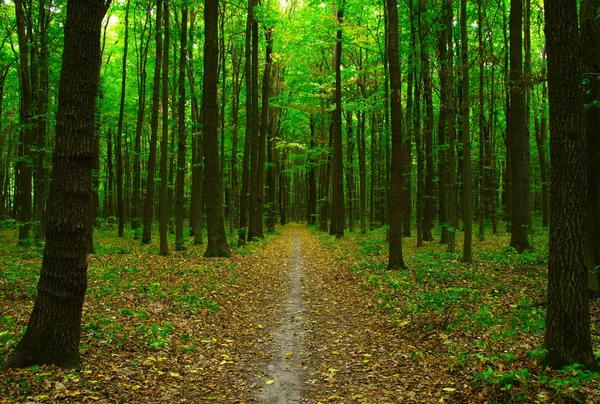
(149, 201)
(338, 218)
(23, 167)
(396, 261)
(181, 139)
(255, 143)
(567, 337)
(429, 197)
(163, 206)
(466, 174)
(518, 137)
(217, 242)
(120, 206)
(244, 196)
(40, 185)
(591, 51)
(53, 330)
(142, 62)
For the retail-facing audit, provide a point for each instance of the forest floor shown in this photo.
(298, 317)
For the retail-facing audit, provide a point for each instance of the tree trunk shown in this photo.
(53, 330)
(149, 201)
(40, 186)
(23, 167)
(255, 144)
(590, 38)
(429, 197)
(244, 196)
(567, 337)
(518, 137)
(396, 261)
(217, 242)
(338, 219)
(120, 206)
(181, 140)
(466, 165)
(142, 62)
(163, 206)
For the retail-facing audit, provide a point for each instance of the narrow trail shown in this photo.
(287, 370)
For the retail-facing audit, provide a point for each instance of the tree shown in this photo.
(217, 242)
(517, 134)
(396, 261)
(567, 337)
(338, 218)
(163, 206)
(466, 165)
(53, 330)
(149, 201)
(180, 195)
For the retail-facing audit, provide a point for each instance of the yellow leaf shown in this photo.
(136, 387)
(260, 326)
(223, 362)
(357, 396)
(174, 374)
(270, 381)
(450, 389)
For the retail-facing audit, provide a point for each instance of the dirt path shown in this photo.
(286, 370)
(328, 342)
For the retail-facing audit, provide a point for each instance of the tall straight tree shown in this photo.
(217, 242)
(255, 142)
(517, 135)
(53, 330)
(149, 201)
(180, 185)
(567, 337)
(590, 37)
(396, 261)
(23, 166)
(244, 197)
(120, 205)
(163, 205)
(338, 218)
(466, 164)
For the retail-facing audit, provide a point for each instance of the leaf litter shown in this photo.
(184, 328)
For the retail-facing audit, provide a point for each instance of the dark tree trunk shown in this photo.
(350, 142)
(149, 201)
(53, 330)
(217, 242)
(119, 153)
(181, 141)
(264, 124)
(142, 62)
(396, 261)
(443, 125)
(255, 144)
(244, 196)
(451, 155)
(567, 337)
(312, 178)
(518, 137)
(362, 172)
(163, 206)
(23, 167)
(40, 186)
(591, 51)
(466, 137)
(338, 218)
(429, 197)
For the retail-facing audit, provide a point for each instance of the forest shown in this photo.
(278, 201)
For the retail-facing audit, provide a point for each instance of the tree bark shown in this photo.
(567, 337)
(518, 137)
(54, 328)
(119, 153)
(466, 165)
(217, 242)
(396, 260)
(163, 206)
(181, 140)
(149, 201)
